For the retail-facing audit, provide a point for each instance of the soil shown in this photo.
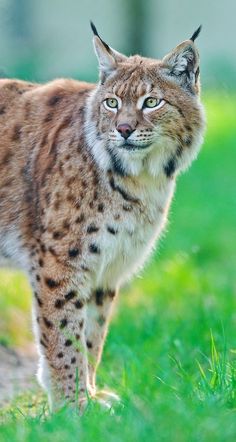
(17, 372)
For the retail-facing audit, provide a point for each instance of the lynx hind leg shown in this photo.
(60, 330)
(99, 309)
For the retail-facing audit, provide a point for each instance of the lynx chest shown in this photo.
(127, 236)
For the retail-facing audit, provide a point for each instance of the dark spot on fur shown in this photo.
(77, 337)
(93, 248)
(66, 224)
(38, 278)
(42, 228)
(41, 263)
(60, 355)
(2, 110)
(85, 268)
(48, 323)
(70, 376)
(127, 208)
(111, 293)
(52, 251)
(51, 283)
(80, 218)
(58, 235)
(43, 248)
(59, 303)
(71, 180)
(81, 324)
(70, 295)
(63, 323)
(40, 303)
(71, 198)
(101, 207)
(44, 140)
(44, 336)
(67, 121)
(16, 133)
(68, 343)
(6, 158)
(92, 228)
(112, 230)
(54, 100)
(89, 344)
(169, 168)
(95, 179)
(78, 304)
(99, 295)
(73, 360)
(101, 320)
(66, 366)
(73, 252)
(43, 343)
(57, 204)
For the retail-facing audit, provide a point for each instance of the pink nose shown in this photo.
(125, 130)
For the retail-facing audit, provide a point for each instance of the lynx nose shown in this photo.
(125, 130)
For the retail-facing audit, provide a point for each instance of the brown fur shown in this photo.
(63, 212)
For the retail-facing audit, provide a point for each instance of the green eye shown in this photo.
(112, 102)
(151, 102)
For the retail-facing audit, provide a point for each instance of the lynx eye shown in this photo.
(151, 102)
(112, 103)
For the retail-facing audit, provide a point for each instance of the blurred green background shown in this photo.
(40, 40)
(171, 350)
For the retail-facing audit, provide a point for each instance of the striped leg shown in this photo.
(99, 310)
(60, 317)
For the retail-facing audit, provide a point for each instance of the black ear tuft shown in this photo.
(94, 29)
(196, 34)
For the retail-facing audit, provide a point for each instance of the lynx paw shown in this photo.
(106, 398)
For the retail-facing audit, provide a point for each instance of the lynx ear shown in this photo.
(183, 63)
(108, 58)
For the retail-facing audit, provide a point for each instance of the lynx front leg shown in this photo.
(99, 310)
(60, 328)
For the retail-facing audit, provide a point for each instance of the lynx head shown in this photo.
(145, 114)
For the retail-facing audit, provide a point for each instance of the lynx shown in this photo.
(87, 175)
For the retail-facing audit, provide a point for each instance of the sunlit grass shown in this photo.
(171, 350)
(15, 325)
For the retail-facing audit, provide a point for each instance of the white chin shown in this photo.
(134, 147)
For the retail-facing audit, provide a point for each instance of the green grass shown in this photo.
(171, 350)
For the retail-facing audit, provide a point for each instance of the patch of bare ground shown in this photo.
(17, 371)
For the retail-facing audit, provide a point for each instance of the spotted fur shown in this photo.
(80, 205)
